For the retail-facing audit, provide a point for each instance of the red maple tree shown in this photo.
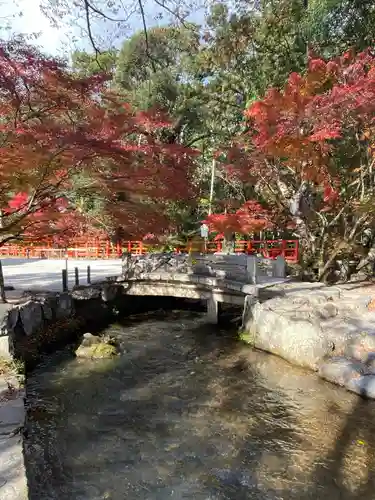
(310, 155)
(251, 217)
(54, 125)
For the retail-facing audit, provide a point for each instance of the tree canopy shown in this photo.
(245, 92)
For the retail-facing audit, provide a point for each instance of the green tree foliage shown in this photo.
(205, 78)
(154, 70)
(90, 64)
(333, 26)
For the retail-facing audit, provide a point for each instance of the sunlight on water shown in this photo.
(187, 413)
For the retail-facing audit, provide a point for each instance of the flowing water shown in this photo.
(188, 413)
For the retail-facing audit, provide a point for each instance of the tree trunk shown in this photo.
(2, 286)
(229, 243)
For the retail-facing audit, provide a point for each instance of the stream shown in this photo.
(188, 412)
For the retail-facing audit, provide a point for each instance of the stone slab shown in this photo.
(13, 482)
(341, 370)
(363, 386)
(12, 415)
(5, 351)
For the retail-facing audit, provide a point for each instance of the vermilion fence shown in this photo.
(98, 249)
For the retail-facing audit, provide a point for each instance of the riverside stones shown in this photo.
(364, 386)
(65, 306)
(327, 329)
(293, 335)
(31, 315)
(341, 371)
(86, 293)
(37, 310)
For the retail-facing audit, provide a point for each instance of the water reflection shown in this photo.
(187, 413)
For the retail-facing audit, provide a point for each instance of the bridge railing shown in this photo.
(247, 269)
(243, 268)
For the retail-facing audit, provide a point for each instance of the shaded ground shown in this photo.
(187, 413)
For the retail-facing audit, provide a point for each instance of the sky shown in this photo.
(32, 21)
(61, 41)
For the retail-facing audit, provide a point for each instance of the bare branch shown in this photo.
(101, 13)
(146, 36)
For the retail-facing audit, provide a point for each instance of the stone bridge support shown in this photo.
(213, 311)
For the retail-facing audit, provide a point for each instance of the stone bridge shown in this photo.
(232, 279)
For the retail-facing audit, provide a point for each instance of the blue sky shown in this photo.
(33, 21)
(60, 41)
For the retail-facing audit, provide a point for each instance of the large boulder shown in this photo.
(31, 315)
(291, 332)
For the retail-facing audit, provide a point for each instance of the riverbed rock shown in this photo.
(89, 339)
(341, 370)
(100, 350)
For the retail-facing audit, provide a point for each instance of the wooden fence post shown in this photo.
(2, 285)
(64, 273)
(76, 276)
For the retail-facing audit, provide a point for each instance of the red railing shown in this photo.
(98, 249)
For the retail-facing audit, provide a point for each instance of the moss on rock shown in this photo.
(100, 350)
(246, 336)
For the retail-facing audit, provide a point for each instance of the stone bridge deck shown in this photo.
(212, 289)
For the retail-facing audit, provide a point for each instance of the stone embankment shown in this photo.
(330, 330)
(29, 324)
(40, 319)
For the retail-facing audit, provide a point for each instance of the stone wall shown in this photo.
(39, 320)
(330, 330)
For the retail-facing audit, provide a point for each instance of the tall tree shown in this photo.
(310, 156)
(55, 126)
